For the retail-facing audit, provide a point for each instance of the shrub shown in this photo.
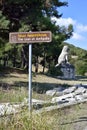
(24, 121)
(81, 67)
(54, 71)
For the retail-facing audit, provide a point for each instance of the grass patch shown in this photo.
(25, 122)
(69, 118)
(13, 95)
(61, 119)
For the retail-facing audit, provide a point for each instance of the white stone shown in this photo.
(80, 90)
(59, 94)
(85, 128)
(71, 100)
(63, 101)
(56, 99)
(69, 90)
(59, 89)
(8, 109)
(78, 97)
(51, 92)
(84, 95)
(38, 101)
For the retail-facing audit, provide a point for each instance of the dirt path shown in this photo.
(47, 79)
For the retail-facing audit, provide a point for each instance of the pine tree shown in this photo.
(34, 15)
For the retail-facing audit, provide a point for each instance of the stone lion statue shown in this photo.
(63, 57)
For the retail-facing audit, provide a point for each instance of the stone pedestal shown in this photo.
(68, 71)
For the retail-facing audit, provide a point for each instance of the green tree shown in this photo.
(81, 67)
(34, 15)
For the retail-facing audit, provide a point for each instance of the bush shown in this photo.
(81, 67)
(54, 71)
(41, 87)
(25, 122)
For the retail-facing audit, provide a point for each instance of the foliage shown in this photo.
(81, 67)
(3, 21)
(31, 15)
(54, 71)
(76, 51)
(41, 88)
(25, 122)
(79, 60)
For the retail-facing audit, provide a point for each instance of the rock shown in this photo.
(51, 92)
(63, 101)
(60, 98)
(7, 108)
(84, 95)
(85, 86)
(85, 128)
(37, 104)
(69, 90)
(38, 101)
(71, 100)
(56, 99)
(59, 89)
(80, 90)
(59, 94)
(78, 97)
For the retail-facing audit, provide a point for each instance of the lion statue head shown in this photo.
(63, 57)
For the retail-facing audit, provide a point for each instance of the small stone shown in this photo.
(69, 90)
(51, 92)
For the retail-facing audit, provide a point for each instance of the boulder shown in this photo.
(60, 98)
(59, 89)
(7, 108)
(69, 90)
(78, 97)
(51, 92)
(80, 90)
(71, 100)
(63, 101)
(59, 94)
(84, 95)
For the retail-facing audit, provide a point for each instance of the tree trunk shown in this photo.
(36, 65)
(44, 62)
(24, 58)
(5, 61)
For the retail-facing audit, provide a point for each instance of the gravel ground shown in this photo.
(77, 118)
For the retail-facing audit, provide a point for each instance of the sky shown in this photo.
(76, 14)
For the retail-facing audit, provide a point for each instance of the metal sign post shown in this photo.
(30, 37)
(30, 77)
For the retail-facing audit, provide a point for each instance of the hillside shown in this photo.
(77, 51)
(78, 57)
